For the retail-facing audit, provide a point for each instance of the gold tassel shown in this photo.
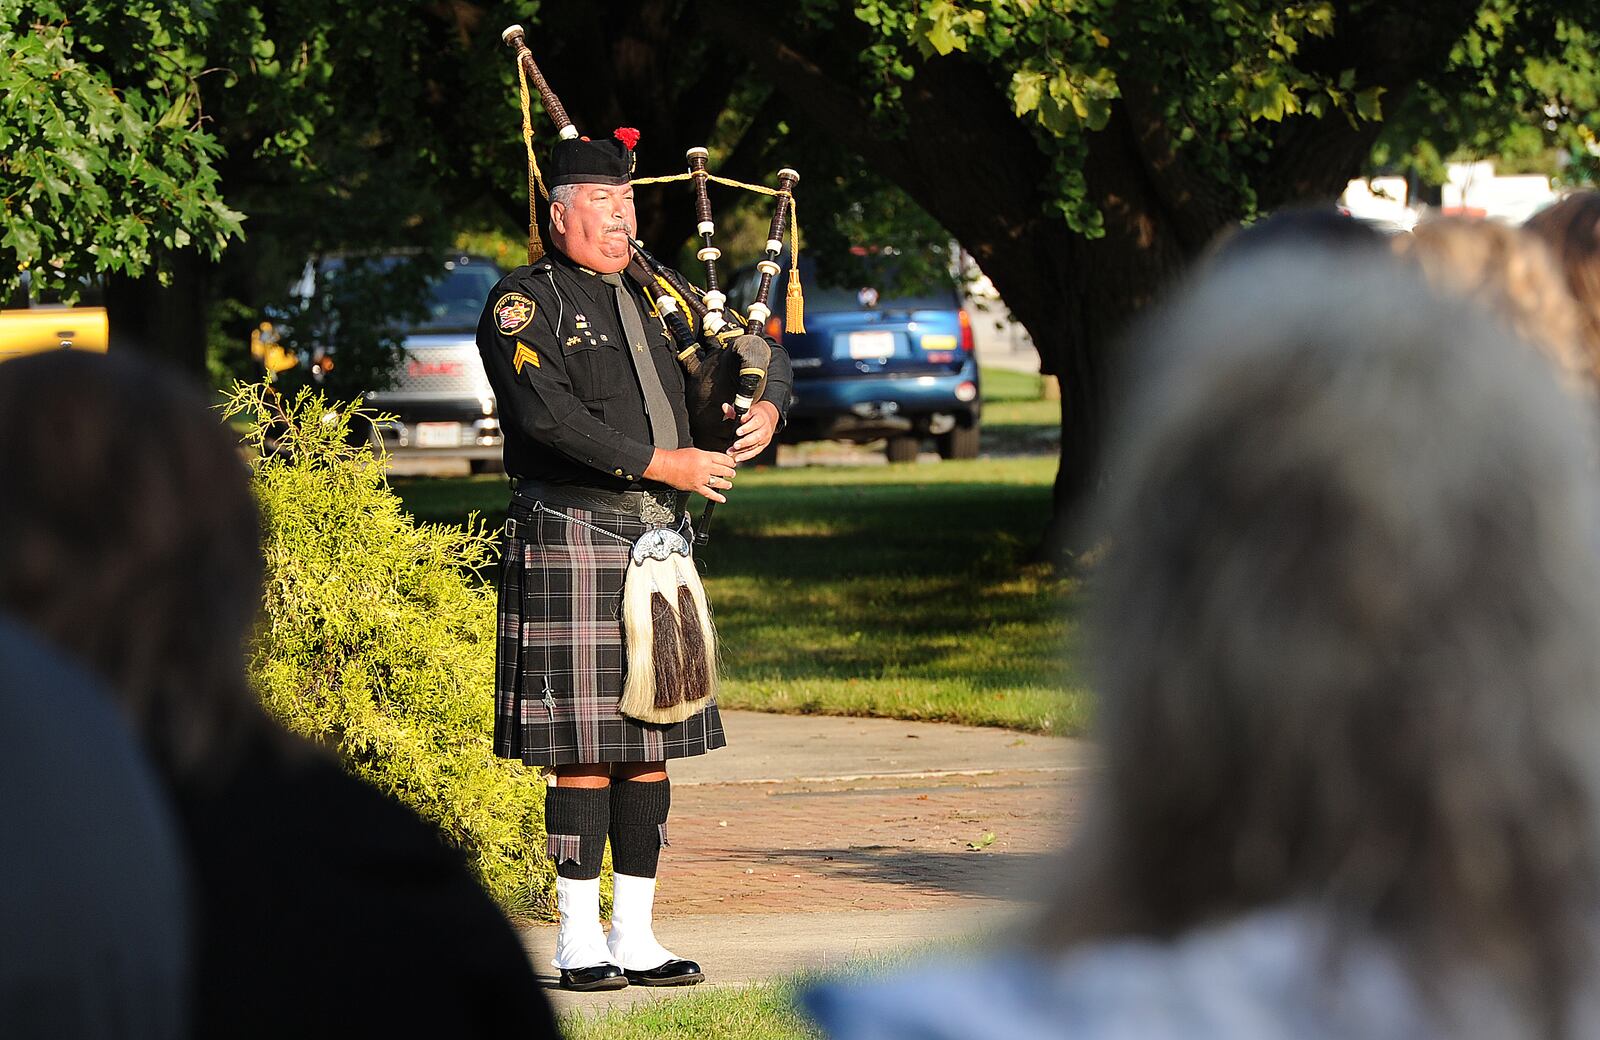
(794, 303)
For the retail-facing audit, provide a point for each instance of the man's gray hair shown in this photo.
(563, 194)
(1347, 632)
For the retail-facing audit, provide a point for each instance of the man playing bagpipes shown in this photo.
(606, 662)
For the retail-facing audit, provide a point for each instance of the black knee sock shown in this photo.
(576, 819)
(639, 825)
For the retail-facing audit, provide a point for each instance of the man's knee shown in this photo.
(586, 775)
(642, 772)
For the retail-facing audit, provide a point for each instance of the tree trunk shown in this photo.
(163, 322)
(957, 149)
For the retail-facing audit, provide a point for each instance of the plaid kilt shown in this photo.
(559, 653)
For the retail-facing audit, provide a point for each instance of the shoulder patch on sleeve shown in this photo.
(512, 312)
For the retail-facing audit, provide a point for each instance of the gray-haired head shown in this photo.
(563, 194)
(1348, 632)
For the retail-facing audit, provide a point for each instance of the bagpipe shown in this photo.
(726, 359)
(724, 355)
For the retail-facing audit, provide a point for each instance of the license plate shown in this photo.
(871, 345)
(438, 434)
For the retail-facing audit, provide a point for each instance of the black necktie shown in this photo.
(663, 425)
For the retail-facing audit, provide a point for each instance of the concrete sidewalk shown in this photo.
(811, 841)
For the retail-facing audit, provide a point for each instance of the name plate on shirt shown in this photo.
(438, 434)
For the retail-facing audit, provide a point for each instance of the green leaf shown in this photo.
(1367, 104)
(1026, 86)
(942, 18)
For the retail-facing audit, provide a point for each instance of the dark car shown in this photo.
(878, 359)
(440, 394)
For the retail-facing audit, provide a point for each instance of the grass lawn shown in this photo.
(896, 591)
(1004, 385)
(758, 1013)
(1016, 418)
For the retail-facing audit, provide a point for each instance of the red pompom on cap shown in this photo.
(627, 135)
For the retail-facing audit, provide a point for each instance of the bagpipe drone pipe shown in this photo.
(728, 360)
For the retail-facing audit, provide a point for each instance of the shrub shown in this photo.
(378, 638)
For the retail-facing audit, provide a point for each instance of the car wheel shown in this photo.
(487, 466)
(903, 449)
(959, 443)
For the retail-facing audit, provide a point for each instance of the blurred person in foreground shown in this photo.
(1294, 230)
(1571, 228)
(131, 541)
(1512, 273)
(1346, 657)
(94, 938)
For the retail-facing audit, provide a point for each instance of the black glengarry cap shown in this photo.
(582, 161)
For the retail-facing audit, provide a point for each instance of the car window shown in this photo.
(861, 283)
(879, 282)
(457, 298)
(744, 285)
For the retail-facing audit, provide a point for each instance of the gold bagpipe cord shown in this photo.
(794, 299)
(535, 178)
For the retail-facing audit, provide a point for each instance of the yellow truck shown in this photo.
(29, 326)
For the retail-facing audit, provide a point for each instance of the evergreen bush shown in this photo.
(378, 638)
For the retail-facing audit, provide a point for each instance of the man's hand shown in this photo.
(690, 469)
(756, 432)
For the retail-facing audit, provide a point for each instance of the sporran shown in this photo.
(666, 623)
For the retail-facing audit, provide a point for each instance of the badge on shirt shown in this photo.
(512, 313)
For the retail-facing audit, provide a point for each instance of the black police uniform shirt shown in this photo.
(556, 356)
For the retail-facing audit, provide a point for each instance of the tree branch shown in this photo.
(1193, 203)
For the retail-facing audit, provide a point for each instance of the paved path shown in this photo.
(810, 841)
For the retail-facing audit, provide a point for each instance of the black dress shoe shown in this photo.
(601, 976)
(673, 973)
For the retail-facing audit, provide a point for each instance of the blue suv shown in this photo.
(878, 361)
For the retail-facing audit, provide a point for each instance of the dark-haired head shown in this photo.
(1299, 228)
(130, 539)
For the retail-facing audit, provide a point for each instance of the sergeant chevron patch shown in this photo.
(512, 313)
(524, 353)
